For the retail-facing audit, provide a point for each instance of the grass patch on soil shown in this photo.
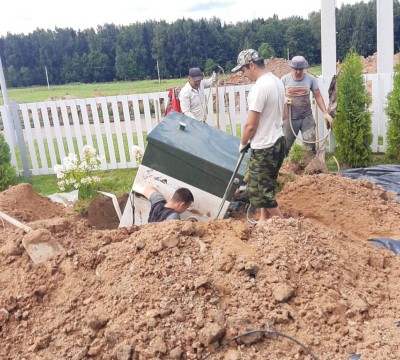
(117, 182)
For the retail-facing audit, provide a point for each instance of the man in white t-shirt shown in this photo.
(192, 96)
(263, 133)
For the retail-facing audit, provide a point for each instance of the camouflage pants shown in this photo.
(307, 128)
(262, 174)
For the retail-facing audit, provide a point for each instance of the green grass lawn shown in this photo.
(81, 91)
(117, 182)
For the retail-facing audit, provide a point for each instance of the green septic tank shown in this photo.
(194, 153)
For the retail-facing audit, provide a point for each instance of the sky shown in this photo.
(25, 16)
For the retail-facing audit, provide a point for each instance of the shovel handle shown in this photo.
(228, 188)
(15, 222)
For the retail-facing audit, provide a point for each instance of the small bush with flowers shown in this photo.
(138, 154)
(76, 173)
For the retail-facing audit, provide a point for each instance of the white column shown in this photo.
(385, 36)
(328, 37)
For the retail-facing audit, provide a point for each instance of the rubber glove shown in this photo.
(328, 120)
(243, 148)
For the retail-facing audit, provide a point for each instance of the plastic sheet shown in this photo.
(386, 176)
(354, 357)
(391, 244)
(66, 198)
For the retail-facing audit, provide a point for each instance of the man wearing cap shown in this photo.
(298, 85)
(192, 97)
(262, 132)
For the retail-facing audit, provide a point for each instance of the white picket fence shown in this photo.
(41, 134)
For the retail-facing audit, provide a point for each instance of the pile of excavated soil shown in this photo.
(370, 63)
(277, 66)
(178, 290)
(280, 67)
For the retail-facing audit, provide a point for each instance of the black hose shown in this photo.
(262, 331)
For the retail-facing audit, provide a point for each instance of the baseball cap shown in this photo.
(246, 57)
(195, 74)
(299, 62)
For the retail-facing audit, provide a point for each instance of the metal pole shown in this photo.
(47, 78)
(158, 72)
(3, 85)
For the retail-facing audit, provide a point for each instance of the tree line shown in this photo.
(145, 50)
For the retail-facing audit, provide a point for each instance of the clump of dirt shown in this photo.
(178, 290)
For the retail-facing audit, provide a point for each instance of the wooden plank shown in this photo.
(230, 91)
(57, 128)
(242, 104)
(43, 167)
(85, 121)
(147, 113)
(49, 136)
(28, 131)
(128, 128)
(210, 119)
(221, 109)
(118, 131)
(107, 129)
(138, 119)
(67, 127)
(99, 134)
(77, 126)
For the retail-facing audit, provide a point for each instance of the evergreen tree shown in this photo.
(7, 172)
(353, 126)
(393, 112)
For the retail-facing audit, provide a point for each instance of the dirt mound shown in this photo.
(277, 66)
(24, 204)
(177, 290)
(280, 67)
(102, 214)
(370, 63)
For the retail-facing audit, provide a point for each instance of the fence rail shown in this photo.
(41, 134)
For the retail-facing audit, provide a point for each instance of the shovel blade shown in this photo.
(41, 246)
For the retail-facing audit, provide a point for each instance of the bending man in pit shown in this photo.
(161, 209)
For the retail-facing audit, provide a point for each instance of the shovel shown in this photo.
(231, 181)
(39, 244)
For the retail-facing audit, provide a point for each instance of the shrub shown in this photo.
(393, 112)
(8, 175)
(352, 127)
(77, 173)
(138, 154)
